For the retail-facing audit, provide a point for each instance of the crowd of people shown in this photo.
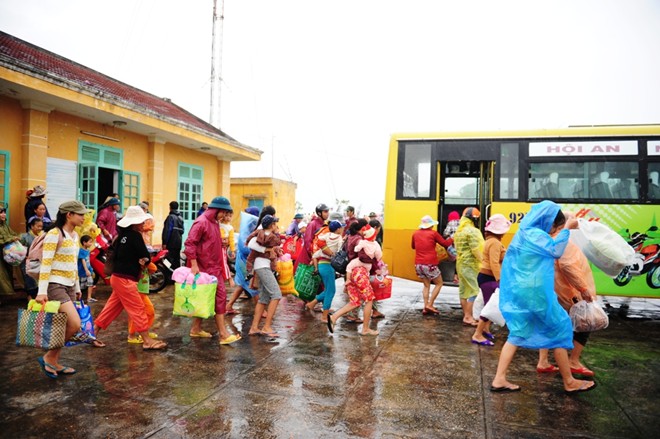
(540, 276)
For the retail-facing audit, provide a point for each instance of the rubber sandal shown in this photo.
(505, 389)
(158, 346)
(270, 334)
(231, 311)
(582, 371)
(483, 343)
(153, 335)
(331, 326)
(43, 365)
(136, 340)
(581, 389)
(201, 334)
(549, 369)
(66, 371)
(489, 336)
(231, 339)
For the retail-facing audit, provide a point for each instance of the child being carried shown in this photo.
(268, 239)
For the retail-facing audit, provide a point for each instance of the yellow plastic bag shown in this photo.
(285, 279)
(52, 306)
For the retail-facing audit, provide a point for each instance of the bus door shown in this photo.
(465, 184)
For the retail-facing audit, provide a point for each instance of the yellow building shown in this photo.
(84, 135)
(262, 192)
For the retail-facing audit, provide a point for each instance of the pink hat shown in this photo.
(427, 222)
(498, 224)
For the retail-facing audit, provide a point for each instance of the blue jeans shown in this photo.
(327, 274)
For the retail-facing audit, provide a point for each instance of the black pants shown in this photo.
(174, 256)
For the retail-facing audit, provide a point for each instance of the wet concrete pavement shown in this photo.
(420, 378)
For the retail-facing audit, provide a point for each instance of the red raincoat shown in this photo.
(204, 244)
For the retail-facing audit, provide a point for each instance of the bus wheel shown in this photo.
(653, 277)
(624, 277)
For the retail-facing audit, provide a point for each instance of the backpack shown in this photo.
(36, 254)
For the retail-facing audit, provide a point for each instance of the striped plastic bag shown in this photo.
(40, 329)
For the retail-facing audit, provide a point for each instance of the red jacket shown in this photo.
(204, 244)
(424, 241)
(106, 220)
(306, 254)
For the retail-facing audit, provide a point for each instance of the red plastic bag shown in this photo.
(382, 286)
(292, 247)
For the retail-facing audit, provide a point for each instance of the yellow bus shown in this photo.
(610, 170)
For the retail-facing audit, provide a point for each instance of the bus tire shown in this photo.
(653, 277)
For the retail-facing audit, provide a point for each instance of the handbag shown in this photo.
(306, 282)
(194, 300)
(40, 329)
(86, 323)
(339, 260)
(109, 265)
(382, 286)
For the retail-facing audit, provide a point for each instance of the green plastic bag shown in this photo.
(143, 283)
(306, 282)
(192, 300)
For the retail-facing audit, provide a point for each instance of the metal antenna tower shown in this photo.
(216, 63)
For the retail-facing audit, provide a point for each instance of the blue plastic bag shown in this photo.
(527, 298)
(86, 321)
(248, 224)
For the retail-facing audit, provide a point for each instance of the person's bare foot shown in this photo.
(469, 322)
(504, 384)
(369, 332)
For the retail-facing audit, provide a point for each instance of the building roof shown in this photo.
(19, 55)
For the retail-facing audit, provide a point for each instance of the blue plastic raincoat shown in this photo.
(248, 224)
(527, 298)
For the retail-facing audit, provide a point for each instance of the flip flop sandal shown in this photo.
(582, 371)
(201, 334)
(231, 311)
(231, 339)
(43, 365)
(549, 369)
(158, 346)
(66, 371)
(489, 336)
(137, 340)
(583, 388)
(270, 334)
(483, 343)
(505, 389)
(331, 326)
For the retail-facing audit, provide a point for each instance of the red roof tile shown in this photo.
(59, 70)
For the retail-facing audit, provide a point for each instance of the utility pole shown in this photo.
(216, 63)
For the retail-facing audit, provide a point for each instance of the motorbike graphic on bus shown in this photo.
(646, 259)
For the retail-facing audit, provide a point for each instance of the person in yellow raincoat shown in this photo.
(469, 245)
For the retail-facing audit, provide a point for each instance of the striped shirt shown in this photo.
(60, 268)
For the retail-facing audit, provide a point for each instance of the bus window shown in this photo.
(654, 181)
(586, 180)
(415, 178)
(509, 165)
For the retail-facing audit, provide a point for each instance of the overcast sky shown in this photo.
(325, 84)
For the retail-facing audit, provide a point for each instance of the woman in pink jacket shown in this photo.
(203, 250)
(107, 219)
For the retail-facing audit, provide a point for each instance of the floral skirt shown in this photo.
(359, 289)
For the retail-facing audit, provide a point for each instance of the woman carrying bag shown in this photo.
(58, 279)
(130, 258)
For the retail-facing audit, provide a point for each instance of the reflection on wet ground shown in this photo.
(421, 377)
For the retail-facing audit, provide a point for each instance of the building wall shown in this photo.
(278, 193)
(11, 125)
(60, 139)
